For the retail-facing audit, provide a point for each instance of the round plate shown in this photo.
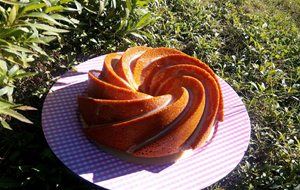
(210, 163)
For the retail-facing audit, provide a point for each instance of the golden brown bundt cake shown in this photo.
(151, 102)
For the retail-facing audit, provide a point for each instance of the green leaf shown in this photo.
(10, 2)
(70, 9)
(24, 74)
(43, 16)
(149, 36)
(141, 3)
(33, 6)
(65, 1)
(145, 20)
(5, 125)
(47, 28)
(24, 29)
(54, 8)
(74, 21)
(137, 35)
(15, 114)
(261, 87)
(9, 93)
(4, 90)
(4, 104)
(35, 33)
(281, 136)
(60, 17)
(4, 41)
(3, 66)
(101, 6)
(12, 51)
(122, 25)
(129, 5)
(17, 48)
(114, 4)
(51, 34)
(12, 60)
(43, 40)
(254, 85)
(13, 70)
(79, 7)
(38, 49)
(9, 32)
(13, 14)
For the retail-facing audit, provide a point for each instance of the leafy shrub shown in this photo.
(26, 28)
(107, 26)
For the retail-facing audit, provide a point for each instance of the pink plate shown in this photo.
(209, 164)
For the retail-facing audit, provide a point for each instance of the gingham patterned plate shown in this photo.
(209, 164)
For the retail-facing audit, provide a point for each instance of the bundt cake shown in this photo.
(151, 103)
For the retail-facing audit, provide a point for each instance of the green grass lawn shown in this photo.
(253, 45)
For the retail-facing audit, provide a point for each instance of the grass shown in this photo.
(257, 52)
(286, 9)
(253, 45)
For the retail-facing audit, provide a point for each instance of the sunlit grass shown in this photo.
(286, 9)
